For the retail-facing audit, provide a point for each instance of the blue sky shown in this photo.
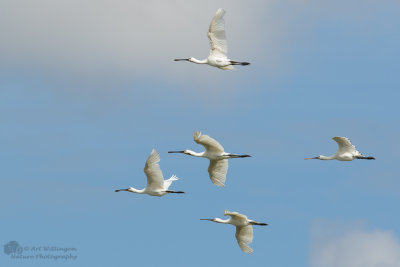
(87, 90)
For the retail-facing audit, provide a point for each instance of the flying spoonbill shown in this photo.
(346, 151)
(215, 153)
(219, 49)
(244, 229)
(156, 185)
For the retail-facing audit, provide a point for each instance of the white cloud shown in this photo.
(344, 245)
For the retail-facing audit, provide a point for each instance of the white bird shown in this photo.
(215, 153)
(219, 49)
(244, 229)
(346, 151)
(156, 185)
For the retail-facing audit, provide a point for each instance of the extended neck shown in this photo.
(137, 191)
(189, 152)
(198, 61)
(323, 157)
(194, 154)
(194, 60)
(217, 220)
(326, 158)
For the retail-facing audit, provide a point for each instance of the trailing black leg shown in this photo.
(239, 63)
(239, 156)
(175, 192)
(369, 158)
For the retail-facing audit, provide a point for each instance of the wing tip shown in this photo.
(174, 178)
(196, 134)
(217, 178)
(249, 250)
(217, 182)
(154, 157)
(220, 11)
(245, 248)
(154, 151)
(340, 137)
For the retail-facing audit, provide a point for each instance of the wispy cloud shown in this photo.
(351, 245)
(122, 38)
(135, 38)
(114, 44)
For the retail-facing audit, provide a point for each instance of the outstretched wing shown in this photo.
(217, 36)
(209, 143)
(244, 237)
(235, 215)
(153, 172)
(345, 146)
(217, 170)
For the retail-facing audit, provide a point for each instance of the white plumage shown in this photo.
(156, 185)
(209, 143)
(217, 171)
(345, 146)
(244, 229)
(215, 153)
(346, 151)
(217, 36)
(218, 46)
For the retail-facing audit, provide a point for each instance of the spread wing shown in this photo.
(345, 146)
(209, 143)
(153, 172)
(235, 215)
(217, 171)
(244, 237)
(217, 36)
